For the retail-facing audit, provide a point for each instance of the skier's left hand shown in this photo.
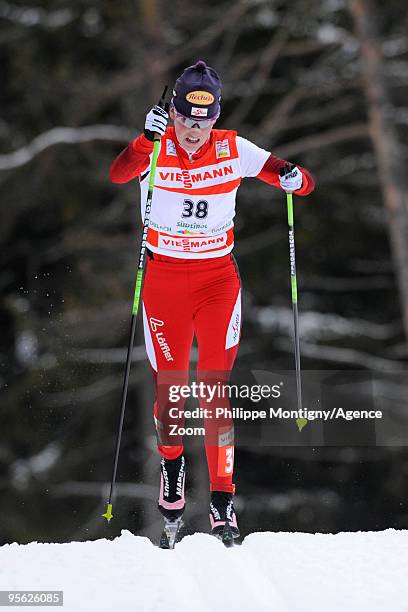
(290, 180)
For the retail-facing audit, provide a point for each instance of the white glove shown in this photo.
(292, 180)
(156, 122)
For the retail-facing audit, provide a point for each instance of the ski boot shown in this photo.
(223, 520)
(171, 500)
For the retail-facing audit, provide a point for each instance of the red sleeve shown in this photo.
(270, 174)
(132, 161)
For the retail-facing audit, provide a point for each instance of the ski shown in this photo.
(170, 533)
(226, 536)
(222, 516)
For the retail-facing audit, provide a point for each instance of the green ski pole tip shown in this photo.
(108, 514)
(301, 423)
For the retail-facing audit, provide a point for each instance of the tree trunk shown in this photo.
(388, 150)
(153, 38)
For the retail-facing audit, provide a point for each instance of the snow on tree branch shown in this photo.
(343, 355)
(29, 16)
(63, 135)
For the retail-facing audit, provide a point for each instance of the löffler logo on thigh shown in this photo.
(161, 340)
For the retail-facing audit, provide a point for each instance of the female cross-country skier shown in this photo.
(192, 285)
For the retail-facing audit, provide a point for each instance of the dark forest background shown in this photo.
(322, 83)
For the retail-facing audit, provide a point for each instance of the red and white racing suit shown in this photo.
(192, 284)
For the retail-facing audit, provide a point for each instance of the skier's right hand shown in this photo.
(156, 122)
(290, 178)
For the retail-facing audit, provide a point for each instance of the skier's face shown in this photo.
(190, 138)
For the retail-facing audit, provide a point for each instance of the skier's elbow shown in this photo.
(115, 176)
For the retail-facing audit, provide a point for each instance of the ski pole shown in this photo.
(136, 300)
(292, 257)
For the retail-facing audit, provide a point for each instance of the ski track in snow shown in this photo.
(281, 572)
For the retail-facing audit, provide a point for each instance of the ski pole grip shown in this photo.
(285, 169)
(162, 102)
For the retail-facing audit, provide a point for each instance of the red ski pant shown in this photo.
(183, 297)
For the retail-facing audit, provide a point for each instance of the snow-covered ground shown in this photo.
(280, 572)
